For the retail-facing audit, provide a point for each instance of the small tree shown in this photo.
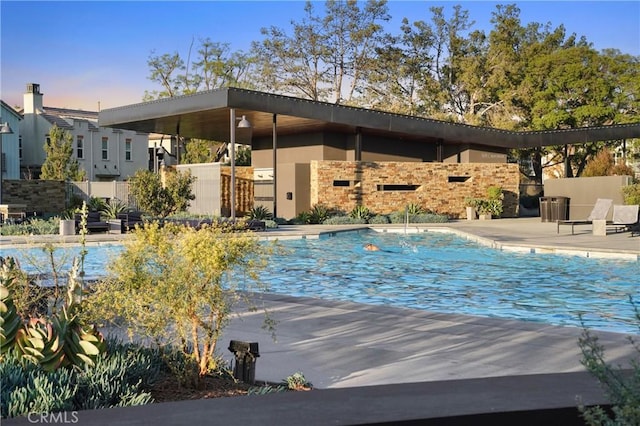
(178, 286)
(162, 200)
(59, 163)
(603, 164)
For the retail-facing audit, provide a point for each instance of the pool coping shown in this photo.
(498, 231)
(518, 248)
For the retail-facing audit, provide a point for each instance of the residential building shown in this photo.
(104, 153)
(11, 149)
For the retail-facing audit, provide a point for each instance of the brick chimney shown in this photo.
(32, 100)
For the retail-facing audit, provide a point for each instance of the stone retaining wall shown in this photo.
(43, 196)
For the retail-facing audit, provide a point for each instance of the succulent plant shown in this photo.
(10, 321)
(39, 343)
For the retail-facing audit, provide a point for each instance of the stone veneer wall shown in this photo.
(441, 187)
(44, 196)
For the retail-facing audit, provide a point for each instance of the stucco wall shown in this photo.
(583, 192)
(439, 187)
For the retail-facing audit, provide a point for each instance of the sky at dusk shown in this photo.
(89, 53)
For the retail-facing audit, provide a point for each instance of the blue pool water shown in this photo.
(443, 273)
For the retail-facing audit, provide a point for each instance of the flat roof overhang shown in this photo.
(205, 115)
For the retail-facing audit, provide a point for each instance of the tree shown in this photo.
(163, 71)
(161, 200)
(200, 151)
(326, 57)
(178, 286)
(59, 163)
(294, 63)
(603, 164)
(214, 67)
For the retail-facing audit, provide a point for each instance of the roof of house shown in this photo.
(64, 118)
(206, 115)
(8, 108)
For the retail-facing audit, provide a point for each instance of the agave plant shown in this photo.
(260, 213)
(96, 204)
(414, 209)
(360, 212)
(319, 213)
(10, 321)
(113, 208)
(40, 343)
(82, 343)
(61, 341)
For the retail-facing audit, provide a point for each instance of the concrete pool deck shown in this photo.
(369, 348)
(338, 344)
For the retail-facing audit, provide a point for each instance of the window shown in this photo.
(80, 147)
(127, 149)
(20, 147)
(459, 178)
(398, 187)
(341, 183)
(105, 148)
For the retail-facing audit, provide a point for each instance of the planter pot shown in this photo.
(67, 227)
(485, 216)
(471, 213)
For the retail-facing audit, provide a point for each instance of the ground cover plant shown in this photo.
(622, 386)
(52, 359)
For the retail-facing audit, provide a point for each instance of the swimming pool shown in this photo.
(445, 273)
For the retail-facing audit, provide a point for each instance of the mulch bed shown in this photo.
(168, 389)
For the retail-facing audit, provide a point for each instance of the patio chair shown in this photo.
(599, 212)
(625, 218)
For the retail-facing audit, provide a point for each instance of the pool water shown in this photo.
(437, 272)
(449, 274)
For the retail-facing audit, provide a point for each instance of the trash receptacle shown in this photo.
(553, 209)
(244, 368)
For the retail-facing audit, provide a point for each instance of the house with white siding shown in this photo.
(104, 153)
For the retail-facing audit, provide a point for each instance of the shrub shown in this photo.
(161, 200)
(270, 224)
(33, 226)
(631, 194)
(603, 164)
(344, 220)
(400, 217)
(379, 219)
(622, 389)
(179, 284)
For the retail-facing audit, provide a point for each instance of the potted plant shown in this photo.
(492, 205)
(472, 205)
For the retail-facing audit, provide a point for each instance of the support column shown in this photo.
(275, 166)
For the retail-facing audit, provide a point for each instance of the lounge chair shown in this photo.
(625, 218)
(599, 212)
